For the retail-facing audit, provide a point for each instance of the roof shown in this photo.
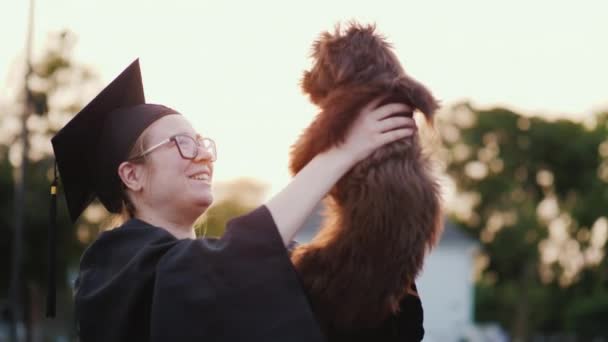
(452, 235)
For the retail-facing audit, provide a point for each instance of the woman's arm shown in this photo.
(372, 129)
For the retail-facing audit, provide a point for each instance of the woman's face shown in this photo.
(173, 184)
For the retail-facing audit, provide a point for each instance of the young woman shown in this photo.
(151, 279)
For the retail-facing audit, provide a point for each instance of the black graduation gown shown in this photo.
(139, 283)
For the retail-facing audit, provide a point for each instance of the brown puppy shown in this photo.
(385, 213)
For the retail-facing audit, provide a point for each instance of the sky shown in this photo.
(233, 67)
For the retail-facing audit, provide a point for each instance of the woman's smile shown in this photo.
(201, 176)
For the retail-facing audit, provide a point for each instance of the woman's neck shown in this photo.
(178, 228)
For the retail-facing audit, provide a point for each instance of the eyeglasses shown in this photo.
(187, 146)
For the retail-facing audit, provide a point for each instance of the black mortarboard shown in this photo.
(89, 149)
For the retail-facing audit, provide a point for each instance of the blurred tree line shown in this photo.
(534, 193)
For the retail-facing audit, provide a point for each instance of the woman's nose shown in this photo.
(204, 155)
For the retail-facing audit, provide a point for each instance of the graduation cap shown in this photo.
(89, 149)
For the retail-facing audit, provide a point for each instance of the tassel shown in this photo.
(52, 246)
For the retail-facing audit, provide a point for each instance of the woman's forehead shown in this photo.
(170, 125)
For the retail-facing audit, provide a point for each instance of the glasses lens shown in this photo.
(209, 146)
(187, 146)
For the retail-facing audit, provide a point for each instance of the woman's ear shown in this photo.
(131, 175)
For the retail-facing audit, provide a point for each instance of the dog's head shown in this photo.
(356, 56)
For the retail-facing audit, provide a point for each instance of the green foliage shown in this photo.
(588, 315)
(234, 199)
(35, 228)
(55, 74)
(214, 221)
(509, 164)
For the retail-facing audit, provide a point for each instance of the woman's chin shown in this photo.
(204, 201)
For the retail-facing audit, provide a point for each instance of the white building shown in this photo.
(446, 287)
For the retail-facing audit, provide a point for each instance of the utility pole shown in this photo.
(19, 175)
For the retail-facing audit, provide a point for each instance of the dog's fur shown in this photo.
(385, 213)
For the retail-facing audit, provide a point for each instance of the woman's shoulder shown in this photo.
(258, 221)
(121, 244)
(134, 231)
(251, 235)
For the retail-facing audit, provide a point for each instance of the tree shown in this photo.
(55, 90)
(535, 192)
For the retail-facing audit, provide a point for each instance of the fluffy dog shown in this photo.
(385, 213)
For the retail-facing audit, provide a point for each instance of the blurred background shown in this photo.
(521, 142)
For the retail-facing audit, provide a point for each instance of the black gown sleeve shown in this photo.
(241, 287)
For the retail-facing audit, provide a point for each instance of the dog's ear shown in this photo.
(318, 81)
(418, 96)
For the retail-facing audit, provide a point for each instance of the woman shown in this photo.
(151, 279)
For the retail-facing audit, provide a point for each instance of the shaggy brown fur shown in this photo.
(385, 213)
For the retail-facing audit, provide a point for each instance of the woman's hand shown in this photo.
(374, 128)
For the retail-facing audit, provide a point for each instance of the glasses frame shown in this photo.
(198, 141)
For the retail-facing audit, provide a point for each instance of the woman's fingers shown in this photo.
(390, 124)
(390, 109)
(372, 105)
(396, 134)
(374, 128)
